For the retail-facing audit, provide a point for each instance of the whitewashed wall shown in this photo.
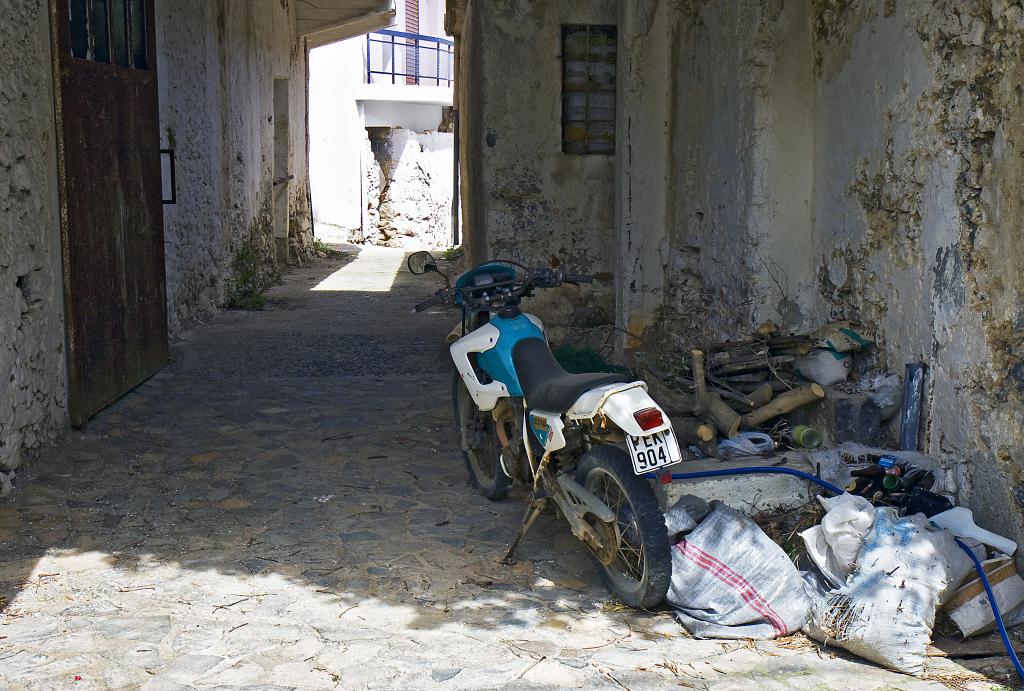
(33, 407)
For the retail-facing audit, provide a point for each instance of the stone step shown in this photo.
(751, 494)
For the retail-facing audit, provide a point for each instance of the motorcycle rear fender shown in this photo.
(618, 402)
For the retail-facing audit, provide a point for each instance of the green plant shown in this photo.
(451, 254)
(321, 246)
(582, 360)
(251, 276)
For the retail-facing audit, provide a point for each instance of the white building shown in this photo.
(381, 154)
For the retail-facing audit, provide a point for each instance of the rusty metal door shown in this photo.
(111, 210)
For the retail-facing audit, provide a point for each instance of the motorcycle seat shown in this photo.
(546, 386)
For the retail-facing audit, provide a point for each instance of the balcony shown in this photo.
(397, 57)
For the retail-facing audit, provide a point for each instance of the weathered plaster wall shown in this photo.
(218, 61)
(646, 89)
(860, 160)
(536, 204)
(32, 368)
(919, 209)
(797, 160)
(740, 179)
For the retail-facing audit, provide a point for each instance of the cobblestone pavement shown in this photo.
(283, 506)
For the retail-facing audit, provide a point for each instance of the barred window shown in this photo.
(588, 88)
(111, 31)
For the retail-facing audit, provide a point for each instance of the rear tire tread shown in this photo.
(650, 520)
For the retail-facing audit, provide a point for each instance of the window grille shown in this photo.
(111, 31)
(588, 88)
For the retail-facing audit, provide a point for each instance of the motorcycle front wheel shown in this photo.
(639, 567)
(479, 441)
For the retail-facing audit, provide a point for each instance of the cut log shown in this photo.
(790, 341)
(673, 402)
(784, 403)
(750, 379)
(726, 357)
(690, 430)
(761, 395)
(780, 385)
(710, 405)
(751, 401)
(753, 366)
(727, 393)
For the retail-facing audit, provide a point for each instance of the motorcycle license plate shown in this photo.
(653, 451)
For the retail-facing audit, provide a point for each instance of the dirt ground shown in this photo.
(284, 507)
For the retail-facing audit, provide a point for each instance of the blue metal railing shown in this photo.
(410, 50)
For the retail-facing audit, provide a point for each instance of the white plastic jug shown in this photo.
(960, 521)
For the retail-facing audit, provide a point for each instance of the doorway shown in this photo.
(282, 151)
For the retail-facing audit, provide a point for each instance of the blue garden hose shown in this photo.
(767, 470)
(995, 608)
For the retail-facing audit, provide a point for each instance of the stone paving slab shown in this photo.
(282, 507)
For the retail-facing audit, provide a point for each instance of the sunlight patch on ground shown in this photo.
(373, 270)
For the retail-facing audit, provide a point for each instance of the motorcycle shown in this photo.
(587, 443)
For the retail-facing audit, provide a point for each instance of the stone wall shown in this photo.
(531, 202)
(408, 188)
(218, 62)
(32, 367)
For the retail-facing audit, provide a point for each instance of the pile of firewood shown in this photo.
(734, 386)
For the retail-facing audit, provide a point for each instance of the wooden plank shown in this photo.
(978, 646)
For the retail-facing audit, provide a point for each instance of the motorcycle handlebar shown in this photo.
(426, 304)
(538, 278)
(578, 278)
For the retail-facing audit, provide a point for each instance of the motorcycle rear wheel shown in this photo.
(641, 568)
(481, 449)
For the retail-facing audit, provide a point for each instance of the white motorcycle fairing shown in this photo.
(480, 340)
(485, 396)
(618, 402)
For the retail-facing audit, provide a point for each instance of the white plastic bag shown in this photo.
(729, 580)
(886, 392)
(746, 444)
(886, 610)
(834, 543)
(823, 366)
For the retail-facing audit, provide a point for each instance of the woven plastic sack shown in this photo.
(886, 610)
(833, 545)
(729, 580)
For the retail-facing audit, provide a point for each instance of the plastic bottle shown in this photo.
(807, 437)
(960, 521)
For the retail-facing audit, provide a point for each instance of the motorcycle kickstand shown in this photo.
(533, 511)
